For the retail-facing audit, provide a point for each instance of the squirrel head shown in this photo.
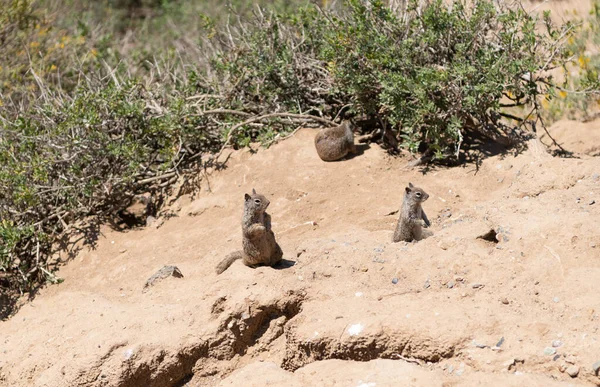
(415, 194)
(350, 125)
(256, 202)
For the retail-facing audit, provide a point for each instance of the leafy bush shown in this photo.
(87, 123)
(438, 71)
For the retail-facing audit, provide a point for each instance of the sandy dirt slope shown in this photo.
(449, 310)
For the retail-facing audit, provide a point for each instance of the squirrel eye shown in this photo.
(418, 194)
(257, 201)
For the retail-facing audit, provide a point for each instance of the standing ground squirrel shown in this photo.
(259, 245)
(334, 143)
(412, 217)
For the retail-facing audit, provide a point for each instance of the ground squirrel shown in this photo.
(334, 143)
(412, 217)
(259, 245)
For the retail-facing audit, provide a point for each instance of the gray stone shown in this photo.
(450, 284)
(165, 272)
(477, 285)
(549, 351)
(556, 299)
(394, 281)
(596, 367)
(557, 343)
(573, 371)
(500, 342)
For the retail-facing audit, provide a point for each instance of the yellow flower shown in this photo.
(62, 45)
(563, 94)
(34, 44)
(52, 68)
(1, 103)
(94, 52)
(583, 61)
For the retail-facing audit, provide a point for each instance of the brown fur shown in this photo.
(258, 240)
(412, 217)
(335, 143)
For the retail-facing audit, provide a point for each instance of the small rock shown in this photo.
(592, 202)
(427, 284)
(500, 342)
(592, 245)
(479, 345)
(556, 299)
(570, 359)
(394, 281)
(505, 301)
(557, 343)
(549, 351)
(166, 271)
(477, 285)
(596, 367)
(450, 284)
(573, 371)
(150, 220)
(459, 372)
(556, 357)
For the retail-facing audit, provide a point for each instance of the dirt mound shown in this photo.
(519, 307)
(581, 138)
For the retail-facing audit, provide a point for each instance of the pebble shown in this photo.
(395, 281)
(557, 343)
(573, 371)
(477, 285)
(450, 284)
(548, 351)
(505, 301)
(427, 285)
(596, 367)
(556, 299)
(500, 342)
(592, 202)
(592, 245)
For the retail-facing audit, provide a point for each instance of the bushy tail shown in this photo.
(225, 263)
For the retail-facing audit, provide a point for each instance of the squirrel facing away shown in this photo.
(412, 217)
(334, 143)
(259, 245)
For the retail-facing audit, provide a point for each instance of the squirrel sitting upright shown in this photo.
(258, 244)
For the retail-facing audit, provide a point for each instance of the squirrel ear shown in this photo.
(253, 191)
(407, 189)
(246, 197)
(410, 185)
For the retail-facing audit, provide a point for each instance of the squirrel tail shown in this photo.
(225, 263)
